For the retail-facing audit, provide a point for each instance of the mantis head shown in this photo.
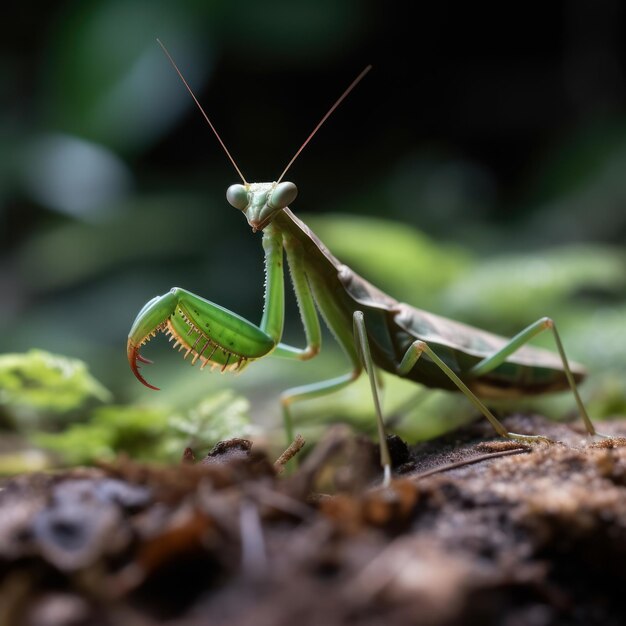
(260, 202)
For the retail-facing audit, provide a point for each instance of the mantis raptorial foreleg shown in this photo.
(306, 306)
(312, 331)
(411, 357)
(490, 363)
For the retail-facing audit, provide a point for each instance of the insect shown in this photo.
(374, 329)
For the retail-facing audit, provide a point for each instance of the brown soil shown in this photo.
(537, 537)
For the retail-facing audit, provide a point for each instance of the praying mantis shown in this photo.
(373, 329)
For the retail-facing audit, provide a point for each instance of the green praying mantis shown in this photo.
(373, 329)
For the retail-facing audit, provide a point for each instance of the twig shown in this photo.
(476, 459)
(294, 447)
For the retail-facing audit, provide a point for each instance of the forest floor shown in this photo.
(518, 536)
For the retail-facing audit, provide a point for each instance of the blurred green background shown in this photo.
(479, 171)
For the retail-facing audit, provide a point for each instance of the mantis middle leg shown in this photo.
(363, 350)
(328, 386)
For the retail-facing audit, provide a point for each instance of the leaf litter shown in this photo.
(471, 530)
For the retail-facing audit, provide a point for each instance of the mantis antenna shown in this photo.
(206, 117)
(341, 98)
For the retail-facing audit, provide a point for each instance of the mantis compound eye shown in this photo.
(283, 195)
(237, 196)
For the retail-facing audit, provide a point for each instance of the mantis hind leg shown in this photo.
(418, 348)
(545, 323)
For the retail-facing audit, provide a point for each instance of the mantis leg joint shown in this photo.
(286, 399)
(547, 322)
(310, 352)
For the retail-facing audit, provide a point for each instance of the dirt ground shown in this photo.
(533, 536)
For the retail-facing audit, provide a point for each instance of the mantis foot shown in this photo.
(529, 438)
(386, 475)
(603, 435)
